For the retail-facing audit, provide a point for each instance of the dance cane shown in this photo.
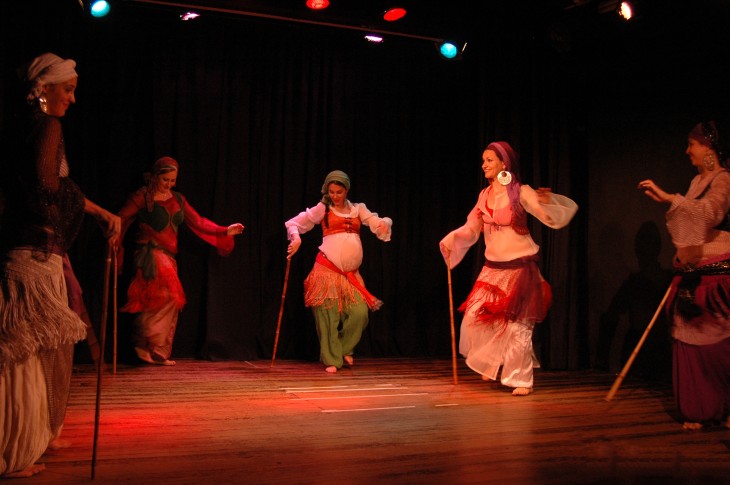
(633, 355)
(281, 310)
(100, 365)
(114, 308)
(451, 315)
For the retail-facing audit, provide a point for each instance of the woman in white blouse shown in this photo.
(334, 288)
(510, 295)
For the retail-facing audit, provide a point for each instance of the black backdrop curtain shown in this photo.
(257, 113)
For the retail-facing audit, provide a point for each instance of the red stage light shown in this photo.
(393, 14)
(318, 4)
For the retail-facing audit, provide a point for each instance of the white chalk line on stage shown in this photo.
(361, 397)
(348, 388)
(365, 409)
(340, 389)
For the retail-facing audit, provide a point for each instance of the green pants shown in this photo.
(335, 340)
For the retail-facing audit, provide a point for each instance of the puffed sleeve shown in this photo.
(382, 227)
(456, 243)
(305, 220)
(689, 221)
(555, 214)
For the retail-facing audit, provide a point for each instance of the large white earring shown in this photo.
(504, 177)
(709, 161)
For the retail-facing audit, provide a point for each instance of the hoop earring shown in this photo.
(709, 161)
(43, 103)
(504, 177)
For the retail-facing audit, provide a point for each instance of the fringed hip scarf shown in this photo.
(373, 302)
(509, 291)
(701, 290)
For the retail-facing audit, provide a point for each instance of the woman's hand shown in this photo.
(653, 191)
(234, 229)
(294, 244)
(446, 253)
(111, 224)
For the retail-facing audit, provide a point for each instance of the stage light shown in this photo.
(375, 39)
(99, 8)
(189, 16)
(450, 50)
(626, 10)
(318, 4)
(393, 14)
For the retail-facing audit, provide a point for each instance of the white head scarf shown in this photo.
(45, 69)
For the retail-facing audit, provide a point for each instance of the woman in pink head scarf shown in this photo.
(155, 294)
(510, 295)
(699, 298)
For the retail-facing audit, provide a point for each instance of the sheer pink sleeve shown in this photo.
(208, 230)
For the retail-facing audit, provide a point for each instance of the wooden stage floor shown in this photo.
(384, 421)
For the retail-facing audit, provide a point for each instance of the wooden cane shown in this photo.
(100, 365)
(114, 308)
(451, 316)
(633, 355)
(281, 310)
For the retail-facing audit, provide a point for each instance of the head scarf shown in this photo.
(45, 69)
(164, 165)
(706, 134)
(505, 153)
(334, 176)
(161, 165)
(509, 157)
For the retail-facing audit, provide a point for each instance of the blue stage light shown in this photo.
(448, 50)
(99, 8)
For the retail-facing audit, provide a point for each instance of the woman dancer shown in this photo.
(510, 295)
(155, 293)
(334, 288)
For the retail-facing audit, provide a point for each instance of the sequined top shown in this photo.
(44, 208)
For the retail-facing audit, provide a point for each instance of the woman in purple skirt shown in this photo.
(699, 299)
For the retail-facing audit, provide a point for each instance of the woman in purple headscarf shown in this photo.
(699, 299)
(510, 295)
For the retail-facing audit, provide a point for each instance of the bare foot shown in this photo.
(160, 359)
(27, 472)
(691, 426)
(486, 378)
(58, 444)
(727, 422)
(331, 369)
(349, 360)
(522, 391)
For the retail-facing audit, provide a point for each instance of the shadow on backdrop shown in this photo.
(630, 311)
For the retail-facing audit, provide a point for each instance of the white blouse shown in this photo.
(343, 249)
(502, 242)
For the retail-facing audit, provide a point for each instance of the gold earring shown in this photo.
(709, 161)
(43, 103)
